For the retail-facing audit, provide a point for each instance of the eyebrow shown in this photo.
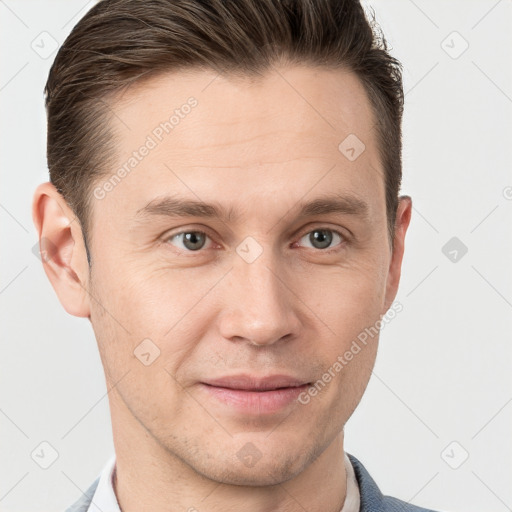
(177, 207)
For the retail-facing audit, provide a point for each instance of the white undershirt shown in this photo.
(104, 499)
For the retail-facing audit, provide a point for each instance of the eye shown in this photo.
(322, 238)
(191, 241)
(195, 240)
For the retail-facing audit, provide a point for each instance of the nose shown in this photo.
(259, 306)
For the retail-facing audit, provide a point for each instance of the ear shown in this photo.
(62, 249)
(403, 217)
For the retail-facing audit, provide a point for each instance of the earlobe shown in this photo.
(403, 218)
(62, 250)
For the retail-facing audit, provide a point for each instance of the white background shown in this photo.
(443, 372)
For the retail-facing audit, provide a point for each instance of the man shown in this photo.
(224, 208)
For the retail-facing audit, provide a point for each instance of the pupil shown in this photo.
(193, 240)
(321, 237)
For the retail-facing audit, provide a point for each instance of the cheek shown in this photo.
(144, 301)
(146, 320)
(139, 361)
(346, 303)
(346, 298)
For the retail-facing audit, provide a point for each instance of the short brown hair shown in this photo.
(119, 42)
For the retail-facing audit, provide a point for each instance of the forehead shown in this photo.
(217, 135)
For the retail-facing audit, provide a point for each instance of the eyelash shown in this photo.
(329, 250)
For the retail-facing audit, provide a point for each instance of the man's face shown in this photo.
(268, 291)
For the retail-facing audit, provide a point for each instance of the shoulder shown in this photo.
(372, 499)
(395, 505)
(82, 505)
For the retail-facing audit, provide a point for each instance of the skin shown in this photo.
(258, 147)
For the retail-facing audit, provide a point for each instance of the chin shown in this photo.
(264, 474)
(248, 466)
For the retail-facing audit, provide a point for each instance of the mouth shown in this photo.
(255, 395)
(255, 383)
(258, 390)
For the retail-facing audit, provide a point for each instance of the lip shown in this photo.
(254, 383)
(251, 394)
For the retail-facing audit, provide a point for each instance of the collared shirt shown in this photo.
(104, 499)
